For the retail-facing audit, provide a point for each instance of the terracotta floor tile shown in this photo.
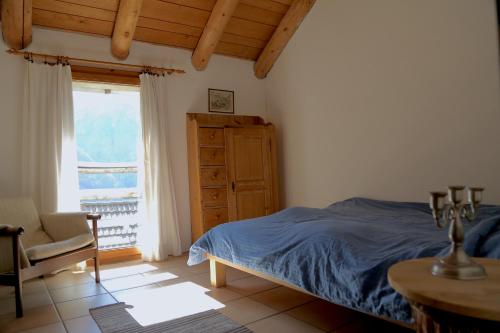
(201, 279)
(250, 285)
(282, 323)
(121, 295)
(76, 291)
(35, 285)
(245, 310)
(52, 328)
(138, 280)
(34, 317)
(231, 275)
(204, 267)
(235, 274)
(172, 261)
(67, 278)
(172, 282)
(178, 271)
(124, 269)
(282, 298)
(126, 282)
(31, 286)
(30, 300)
(82, 325)
(354, 327)
(171, 289)
(182, 258)
(6, 291)
(324, 315)
(223, 295)
(365, 323)
(80, 307)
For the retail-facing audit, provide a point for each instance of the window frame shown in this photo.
(105, 75)
(111, 76)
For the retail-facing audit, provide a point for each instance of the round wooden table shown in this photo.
(446, 305)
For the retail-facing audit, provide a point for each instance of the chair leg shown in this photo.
(18, 282)
(96, 239)
(19, 296)
(96, 268)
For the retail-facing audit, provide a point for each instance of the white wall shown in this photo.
(188, 93)
(388, 99)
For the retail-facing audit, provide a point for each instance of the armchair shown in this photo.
(33, 245)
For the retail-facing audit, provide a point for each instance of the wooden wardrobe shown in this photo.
(232, 169)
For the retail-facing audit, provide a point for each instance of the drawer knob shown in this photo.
(212, 136)
(215, 195)
(217, 216)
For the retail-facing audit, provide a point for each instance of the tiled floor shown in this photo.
(167, 290)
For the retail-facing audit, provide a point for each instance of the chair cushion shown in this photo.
(45, 251)
(62, 226)
(21, 212)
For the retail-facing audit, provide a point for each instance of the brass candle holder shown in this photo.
(457, 264)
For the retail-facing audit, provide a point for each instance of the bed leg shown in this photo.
(217, 274)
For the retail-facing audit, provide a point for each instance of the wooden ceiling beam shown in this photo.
(125, 24)
(17, 23)
(285, 30)
(212, 33)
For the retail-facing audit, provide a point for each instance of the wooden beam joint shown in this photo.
(125, 24)
(212, 33)
(17, 23)
(283, 33)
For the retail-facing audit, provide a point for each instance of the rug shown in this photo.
(115, 318)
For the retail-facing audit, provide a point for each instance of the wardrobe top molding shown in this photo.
(257, 30)
(220, 120)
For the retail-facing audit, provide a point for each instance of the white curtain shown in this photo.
(49, 162)
(159, 232)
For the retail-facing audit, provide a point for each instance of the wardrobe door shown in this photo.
(249, 172)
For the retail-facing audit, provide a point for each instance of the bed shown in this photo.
(341, 253)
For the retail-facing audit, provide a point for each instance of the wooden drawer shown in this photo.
(214, 197)
(213, 217)
(212, 156)
(211, 136)
(213, 176)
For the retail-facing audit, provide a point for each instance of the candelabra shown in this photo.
(457, 264)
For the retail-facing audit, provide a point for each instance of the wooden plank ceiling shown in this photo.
(178, 23)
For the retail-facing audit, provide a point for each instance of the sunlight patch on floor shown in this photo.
(78, 272)
(113, 272)
(169, 302)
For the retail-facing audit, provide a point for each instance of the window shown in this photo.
(108, 131)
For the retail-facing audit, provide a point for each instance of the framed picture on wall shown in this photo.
(220, 101)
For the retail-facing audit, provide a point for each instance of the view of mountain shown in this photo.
(107, 130)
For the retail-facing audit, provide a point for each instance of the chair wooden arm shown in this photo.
(93, 216)
(11, 231)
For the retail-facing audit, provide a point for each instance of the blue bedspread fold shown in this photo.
(342, 253)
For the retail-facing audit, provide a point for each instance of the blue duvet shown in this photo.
(342, 253)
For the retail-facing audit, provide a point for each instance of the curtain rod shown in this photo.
(137, 68)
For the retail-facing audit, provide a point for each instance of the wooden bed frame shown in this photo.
(218, 279)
